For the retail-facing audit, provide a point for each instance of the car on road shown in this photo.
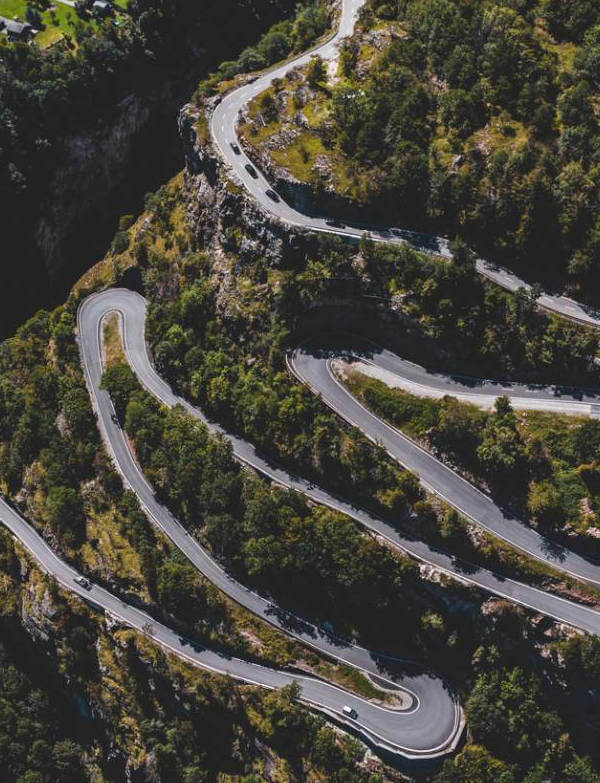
(115, 418)
(334, 223)
(350, 712)
(272, 195)
(251, 170)
(83, 582)
(235, 147)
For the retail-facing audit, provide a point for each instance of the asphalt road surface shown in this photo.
(313, 367)
(431, 724)
(430, 721)
(432, 716)
(399, 373)
(411, 733)
(223, 131)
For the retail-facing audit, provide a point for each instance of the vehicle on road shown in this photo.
(334, 223)
(350, 712)
(235, 147)
(83, 582)
(115, 418)
(251, 170)
(272, 195)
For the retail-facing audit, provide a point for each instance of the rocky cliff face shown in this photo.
(94, 171)
(216, 202)
(230, 223)
(103, 170)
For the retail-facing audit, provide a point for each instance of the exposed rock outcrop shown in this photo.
(103, 169)
(216, 203)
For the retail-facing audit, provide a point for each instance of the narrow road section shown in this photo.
(223, 132)
(314, 367)
(432, 720)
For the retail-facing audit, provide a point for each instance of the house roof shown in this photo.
(14, 27)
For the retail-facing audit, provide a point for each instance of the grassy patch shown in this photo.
(354, 681)
(299, 158)
(111, 341)
(145, 231)
(58, 20)
(107, 552)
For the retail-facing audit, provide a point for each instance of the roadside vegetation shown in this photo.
(223, 346)
(473, 117)
(310, 559)
(292, 36)
(542, 464)
(222, 314)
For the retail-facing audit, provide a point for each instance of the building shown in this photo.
(101, 7)
(16, 30)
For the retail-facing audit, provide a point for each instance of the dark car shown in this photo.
(251, 170)
(235, 147)
(272, 195)
(334, 223)
(115, 418)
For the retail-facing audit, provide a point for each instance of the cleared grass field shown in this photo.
(58, 19)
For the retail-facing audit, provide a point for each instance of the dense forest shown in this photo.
(477, 117)
(106, 704)
(53, 100)
(223, 346)
(33, 742)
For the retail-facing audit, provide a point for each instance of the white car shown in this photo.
(83, 582)
(350, 712)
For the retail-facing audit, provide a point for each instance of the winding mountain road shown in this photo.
(426, 720)
(223, 132)
(384, 365)
(381, 727)
(314, 368)
(431, 722)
